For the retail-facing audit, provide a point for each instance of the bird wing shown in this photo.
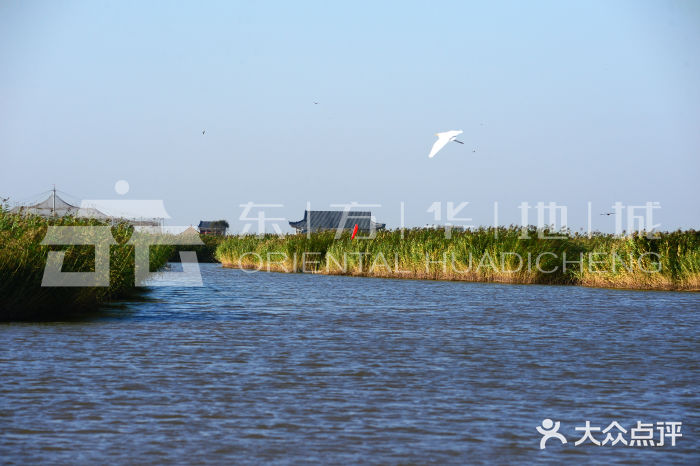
(443, 138)
(439, 144)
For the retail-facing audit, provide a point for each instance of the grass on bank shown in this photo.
(205, 252)
(669, 261)
(23, 258)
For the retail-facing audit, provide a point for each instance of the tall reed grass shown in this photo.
(670, 261)
(206, 252)
(23, 258)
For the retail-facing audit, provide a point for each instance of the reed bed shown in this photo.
(23, 258)
(206, 252)
(669, 261)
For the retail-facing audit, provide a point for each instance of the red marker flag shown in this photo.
(354, 232)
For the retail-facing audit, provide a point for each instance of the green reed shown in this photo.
(23, 258)
(671, 260)
(206, 252)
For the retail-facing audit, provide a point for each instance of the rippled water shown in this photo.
(274, 367)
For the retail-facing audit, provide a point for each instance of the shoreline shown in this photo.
(24, 258)
(665, 261)
(665, 285)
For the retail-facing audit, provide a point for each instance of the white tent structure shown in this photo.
(55, 206)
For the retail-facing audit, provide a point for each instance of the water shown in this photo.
(276, 368)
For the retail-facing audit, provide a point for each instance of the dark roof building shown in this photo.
(319, 220)
(216, 227)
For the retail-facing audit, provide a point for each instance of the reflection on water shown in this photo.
(266, 366)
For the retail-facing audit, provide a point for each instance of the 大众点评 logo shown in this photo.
(642, 435)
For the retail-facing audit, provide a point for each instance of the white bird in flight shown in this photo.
(443, 139)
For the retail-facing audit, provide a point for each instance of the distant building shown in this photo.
(190, 231)
(320, 220)
(216, 227)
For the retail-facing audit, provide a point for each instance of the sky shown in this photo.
(568, 102)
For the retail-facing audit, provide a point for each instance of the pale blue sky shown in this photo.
(566, 101)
